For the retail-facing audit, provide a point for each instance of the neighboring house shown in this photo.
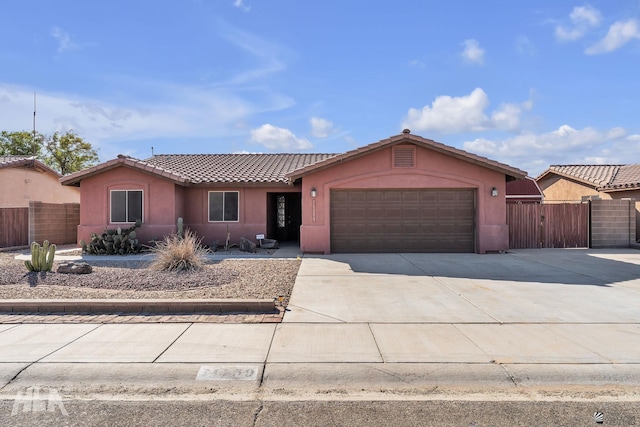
(561, 183)
(524, 191)
(401, 194)
(25, 178)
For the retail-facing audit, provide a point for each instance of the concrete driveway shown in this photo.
(522, 286)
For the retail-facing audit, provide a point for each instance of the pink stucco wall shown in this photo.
(164, 202)
(23, 185)
(432, 170)
(252, 215)
(159, 197)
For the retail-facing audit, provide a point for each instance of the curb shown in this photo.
(172, 306)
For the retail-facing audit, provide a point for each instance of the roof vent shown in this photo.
(406, 131)
(404, 156)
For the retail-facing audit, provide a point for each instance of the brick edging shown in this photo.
(174, 306)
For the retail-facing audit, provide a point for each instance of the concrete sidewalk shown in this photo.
(514, 326)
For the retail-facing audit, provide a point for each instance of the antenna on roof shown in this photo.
(152, 151)
(34, 124)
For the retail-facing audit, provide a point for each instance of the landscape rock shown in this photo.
(269, 244)
(247, 245)
(74, 267)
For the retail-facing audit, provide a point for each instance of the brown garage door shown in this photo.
(403, 220)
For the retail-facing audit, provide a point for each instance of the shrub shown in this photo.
(175, 253)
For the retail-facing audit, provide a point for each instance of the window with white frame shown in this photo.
(224, 206)
(126, 206)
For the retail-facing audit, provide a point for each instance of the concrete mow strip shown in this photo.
(31, 342)
(121, 343)
(311, 342)
(527, 343)
(206, 342)
(618, 343)
(426, 343)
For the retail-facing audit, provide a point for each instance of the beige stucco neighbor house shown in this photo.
(25, 178)
(401, 194)
(562, 183)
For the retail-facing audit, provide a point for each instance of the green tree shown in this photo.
(68, 153)
(20, 144)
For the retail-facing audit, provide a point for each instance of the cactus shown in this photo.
(180, 228)
(117, 241)
(41, 257)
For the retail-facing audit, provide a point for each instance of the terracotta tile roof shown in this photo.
(601, 177)
(209, 168)
(16, 161)
(628, 177)
(406, 137)
(10, 160)
(235, 168)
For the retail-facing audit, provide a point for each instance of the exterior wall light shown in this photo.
(494, 192)
(314, 193)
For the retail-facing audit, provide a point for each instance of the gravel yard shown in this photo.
(229, 278)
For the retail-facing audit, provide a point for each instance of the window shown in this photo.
(223, 206)
(126, 205)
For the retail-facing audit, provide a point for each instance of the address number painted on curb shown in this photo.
(227, 373)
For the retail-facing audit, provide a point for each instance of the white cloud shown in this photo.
(240, 5)
(565, 145)
(451, 114)
(583, 19)
(175, 112)
(620, 33)
(275, 138)
(472, 52)
(64, 40)
(465, 114)
(507, 117)
(320, 128)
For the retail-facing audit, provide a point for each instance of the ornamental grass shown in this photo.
(178, 254)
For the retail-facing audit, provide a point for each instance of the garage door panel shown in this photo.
(426, 220)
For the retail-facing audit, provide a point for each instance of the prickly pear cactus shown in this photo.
(119, 241)
(41, 257)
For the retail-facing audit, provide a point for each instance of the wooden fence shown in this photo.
(563, 225)
(56, 222)
(14, 227)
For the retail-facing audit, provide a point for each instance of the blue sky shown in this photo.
(528, 83)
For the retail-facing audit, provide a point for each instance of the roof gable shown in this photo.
(405, 138)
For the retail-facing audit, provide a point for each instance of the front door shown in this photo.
(286, 214)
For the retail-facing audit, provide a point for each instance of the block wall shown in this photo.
(57, 223)
(613, 223)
